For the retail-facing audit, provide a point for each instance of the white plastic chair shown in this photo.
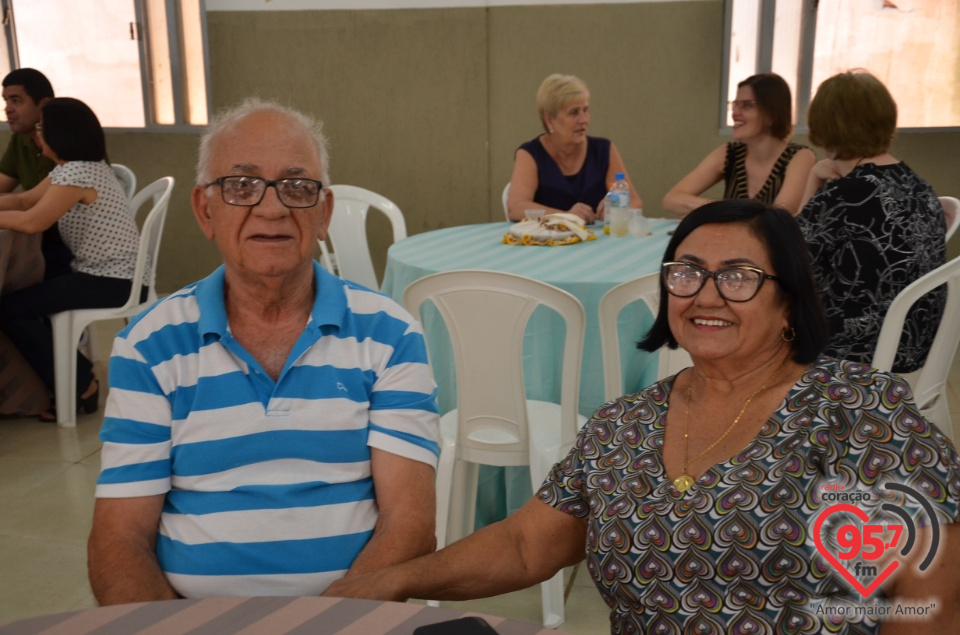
(348, 233)
(126, 177)
(929, 384)
(503, 199)
(486, 314)
(68, 325)
(646, 288)
(951, 212)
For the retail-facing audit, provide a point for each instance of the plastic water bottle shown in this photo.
(618, 197)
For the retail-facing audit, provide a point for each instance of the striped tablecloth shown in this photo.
(257, 616)
(587, 270)
(21, 265)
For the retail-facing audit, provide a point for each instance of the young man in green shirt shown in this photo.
(25, 90)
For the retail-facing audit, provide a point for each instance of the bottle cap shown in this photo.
(619, 176)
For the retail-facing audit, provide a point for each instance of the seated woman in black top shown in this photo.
(564, 170)
(761, 162)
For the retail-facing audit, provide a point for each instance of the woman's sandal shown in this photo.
(87, 405)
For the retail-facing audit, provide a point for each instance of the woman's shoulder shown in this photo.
(534, 146)
(79, 173)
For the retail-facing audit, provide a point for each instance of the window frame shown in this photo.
(804, 79)
(175, 43)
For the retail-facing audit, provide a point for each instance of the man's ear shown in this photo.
(326, 201)
(201, 210)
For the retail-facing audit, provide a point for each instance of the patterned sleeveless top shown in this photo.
(735, 173)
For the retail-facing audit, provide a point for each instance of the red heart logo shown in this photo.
(843, 507)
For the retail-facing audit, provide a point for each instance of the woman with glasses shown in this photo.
(761, 162)
(695, 500)
(83, 197)
(873, 225)
(564, 170)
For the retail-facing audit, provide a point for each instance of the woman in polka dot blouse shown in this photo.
(91, 210)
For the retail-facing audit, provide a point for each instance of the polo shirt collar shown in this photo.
(329, 302)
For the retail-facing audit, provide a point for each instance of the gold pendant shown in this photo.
(683, 483)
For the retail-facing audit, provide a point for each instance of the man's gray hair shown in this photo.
(252, 105)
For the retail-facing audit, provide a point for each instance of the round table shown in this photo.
(587, 270)
(256, 615)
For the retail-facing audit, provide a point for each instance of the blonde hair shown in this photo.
(557, 91)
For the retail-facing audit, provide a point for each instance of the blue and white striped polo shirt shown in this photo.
(268, 484)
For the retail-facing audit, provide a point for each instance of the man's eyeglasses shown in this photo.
(247, 191)
(739, 283)
(742, 104)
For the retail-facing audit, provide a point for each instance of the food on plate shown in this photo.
(553, 229)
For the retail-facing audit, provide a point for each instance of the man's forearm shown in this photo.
(123, 573)
(392, 544)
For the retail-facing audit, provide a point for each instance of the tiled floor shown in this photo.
(47, 477)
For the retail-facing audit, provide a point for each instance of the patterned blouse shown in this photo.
(735, 173)
(103, 235)
(871, 233)
(736, 553)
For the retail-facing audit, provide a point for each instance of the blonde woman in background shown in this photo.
(564, 170)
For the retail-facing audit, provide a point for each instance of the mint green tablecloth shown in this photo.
(587, 270)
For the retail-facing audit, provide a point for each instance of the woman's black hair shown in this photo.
(72, 130)
(790, 257)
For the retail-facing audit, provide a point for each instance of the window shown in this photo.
(913, 47)
(136, 63)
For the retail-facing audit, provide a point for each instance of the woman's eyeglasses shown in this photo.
(742, 104)
(739, 283)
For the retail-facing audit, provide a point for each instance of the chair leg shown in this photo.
(65, 368)
(551, 592)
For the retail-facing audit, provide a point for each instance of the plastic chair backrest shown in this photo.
(151, 231)
(486, 314)
(126, 177)
(646, 288)
(929, 387)
(348, 233)
(951, 212)
(503, 199)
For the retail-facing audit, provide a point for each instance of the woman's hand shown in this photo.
(826, 170)
(585, 212)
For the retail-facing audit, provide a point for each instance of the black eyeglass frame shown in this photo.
(706, 273)
(267, 183)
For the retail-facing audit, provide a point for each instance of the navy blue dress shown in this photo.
(589, 185)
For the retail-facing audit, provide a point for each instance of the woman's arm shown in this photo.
(822, 171)
(525, 549)
(616, 165)
(38, 209)
(795, 181)
(523, 185)
(684, 197)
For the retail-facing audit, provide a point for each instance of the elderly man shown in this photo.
(270, 428)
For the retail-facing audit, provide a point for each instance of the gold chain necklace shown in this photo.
(685, 481)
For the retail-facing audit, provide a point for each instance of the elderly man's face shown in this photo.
(268, 239)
